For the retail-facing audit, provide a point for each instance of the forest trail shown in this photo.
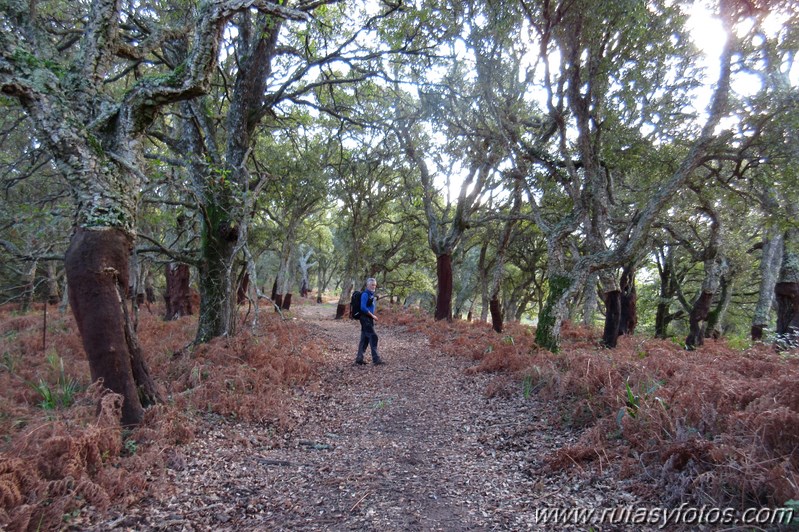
(411, 445)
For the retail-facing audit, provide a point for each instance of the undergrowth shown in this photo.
(714, 426)
(61, 446)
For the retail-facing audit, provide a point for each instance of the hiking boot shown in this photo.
(378, 362)
(359, 362)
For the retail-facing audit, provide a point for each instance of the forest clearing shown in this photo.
(462, 429)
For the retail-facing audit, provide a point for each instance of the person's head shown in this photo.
(371, 284)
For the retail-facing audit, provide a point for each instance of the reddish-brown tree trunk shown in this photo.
(278, 301)
(629, 302)
(96, 265)
(696, 332)
(444, 296)
(340, 311)
(178, 292)
(496, 315)
(610, 336)
(286, 302)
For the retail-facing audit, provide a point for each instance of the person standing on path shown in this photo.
(367, 318)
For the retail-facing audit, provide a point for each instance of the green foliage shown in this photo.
(61, 393)
(633, 402)
(131, 446)
(27, 60)
(739, 342)
(529, 385)
(10, 362)
(379, 404)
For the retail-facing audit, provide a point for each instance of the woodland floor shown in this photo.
(415, 444)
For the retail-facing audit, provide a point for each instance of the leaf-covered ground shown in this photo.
(415, 444)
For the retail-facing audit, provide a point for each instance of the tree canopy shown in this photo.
(511, 156)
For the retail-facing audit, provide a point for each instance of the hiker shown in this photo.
(367, 318)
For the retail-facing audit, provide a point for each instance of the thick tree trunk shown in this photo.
(177, 298)
(286, 304)
(547, 334)
(444, 294)
(97, 271)
(217, 295)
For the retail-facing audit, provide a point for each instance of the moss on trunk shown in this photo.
(217, 295)
(547, 334)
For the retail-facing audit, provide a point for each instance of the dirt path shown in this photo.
(411, 445)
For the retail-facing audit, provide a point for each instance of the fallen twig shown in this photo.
(354, 506)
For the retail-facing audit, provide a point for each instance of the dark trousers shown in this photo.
(368, 338)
